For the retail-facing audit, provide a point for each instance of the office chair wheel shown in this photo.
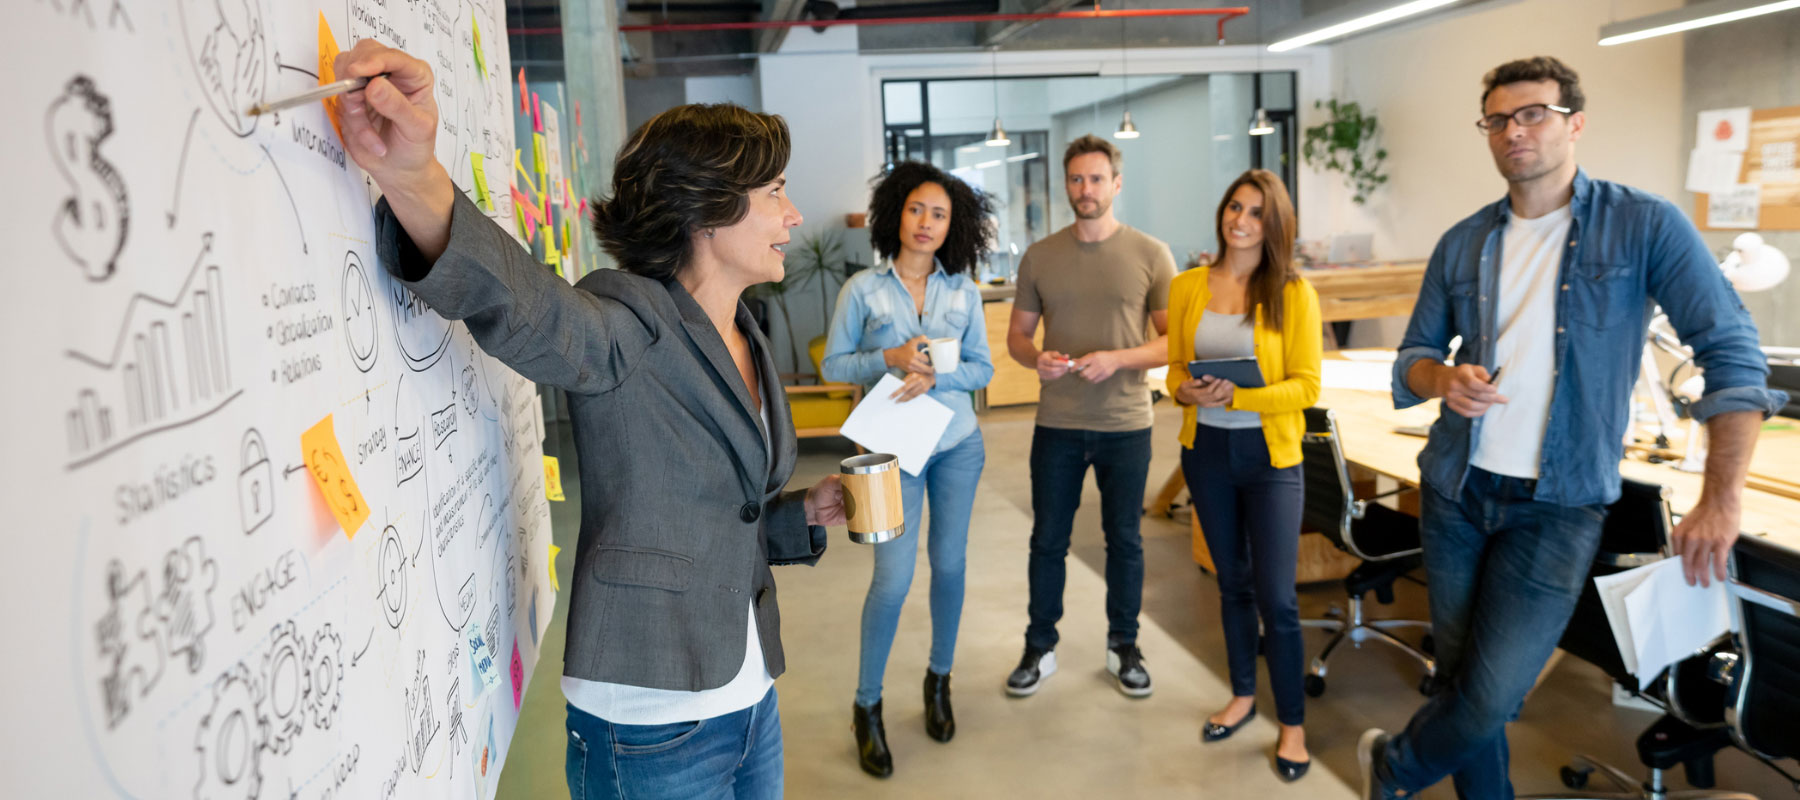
(1575, 778)
(1314, 685)
(1428, 645)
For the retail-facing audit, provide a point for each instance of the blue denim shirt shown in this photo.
(875, 312)
(1628, 249)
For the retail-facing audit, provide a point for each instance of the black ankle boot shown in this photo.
(871, 741)
(940, 721)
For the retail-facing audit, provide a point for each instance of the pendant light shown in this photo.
(997, 137)
(1126, 130)
(1260, 125)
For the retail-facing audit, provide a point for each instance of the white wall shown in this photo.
(1424, 83)
(739, 89)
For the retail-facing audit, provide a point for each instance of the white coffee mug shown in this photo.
(946, 354)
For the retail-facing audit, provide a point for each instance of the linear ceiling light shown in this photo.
(1698, 15)
(1360, 23)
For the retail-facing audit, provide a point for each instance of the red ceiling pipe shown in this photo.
(1224, 14)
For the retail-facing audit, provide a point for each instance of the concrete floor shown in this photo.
(1078, 737)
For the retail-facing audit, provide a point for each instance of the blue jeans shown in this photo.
(1250, 513)
(950, 478)
(1505, 572)
(1060, 458)
(737, 755)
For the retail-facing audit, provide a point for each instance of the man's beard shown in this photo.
(1099, 211)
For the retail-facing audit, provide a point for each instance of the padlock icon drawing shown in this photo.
(256, 482)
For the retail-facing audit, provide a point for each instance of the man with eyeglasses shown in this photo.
(1550, 289)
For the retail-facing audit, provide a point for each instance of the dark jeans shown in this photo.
(736, 756)
(1505, 572)
(1060, 458)
(1250, 514)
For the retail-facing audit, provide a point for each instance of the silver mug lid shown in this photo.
(868, 463)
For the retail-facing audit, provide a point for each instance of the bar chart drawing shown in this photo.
(169, 367)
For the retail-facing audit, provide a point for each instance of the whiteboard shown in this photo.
(191, 289)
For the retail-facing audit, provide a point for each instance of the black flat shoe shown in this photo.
(871, 741)
(1291, 771)
(940, 721)
(1213, 731)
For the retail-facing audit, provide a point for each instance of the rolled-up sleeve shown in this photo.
(1428, 333)
(1710, 318)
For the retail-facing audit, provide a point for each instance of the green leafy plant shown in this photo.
(1345, 142)
(816, 258)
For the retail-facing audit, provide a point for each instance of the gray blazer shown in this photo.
(681, 504)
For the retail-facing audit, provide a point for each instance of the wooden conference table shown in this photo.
(1367, 419)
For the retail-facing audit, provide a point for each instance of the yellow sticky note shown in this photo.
(325, 460)
(552, 479)
(566, 229)
(480, 60)
(328, 51)
(537, 152)
(481, 190)
(551, 254)
(519, 167)
(554, 584)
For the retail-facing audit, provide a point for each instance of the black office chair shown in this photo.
(1702, 715)
(1384, 540)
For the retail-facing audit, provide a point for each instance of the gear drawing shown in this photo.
(284, 686)
(231, 739)
(325, 677)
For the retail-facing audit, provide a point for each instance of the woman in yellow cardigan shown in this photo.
(1241, 445)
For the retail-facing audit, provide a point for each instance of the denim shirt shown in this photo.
(1628, 251)
(875, 312)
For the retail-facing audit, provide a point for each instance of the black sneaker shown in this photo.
(1033, 669)
(1126, 663)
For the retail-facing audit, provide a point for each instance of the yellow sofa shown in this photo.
(819, 409)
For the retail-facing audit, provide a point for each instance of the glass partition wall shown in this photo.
(1194, 140)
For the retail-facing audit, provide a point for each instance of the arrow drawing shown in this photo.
(181, 166)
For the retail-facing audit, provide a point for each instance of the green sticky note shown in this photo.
(481, 191)
(480, 60)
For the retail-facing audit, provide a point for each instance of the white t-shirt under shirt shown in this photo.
(1511, 441)
(636, 705)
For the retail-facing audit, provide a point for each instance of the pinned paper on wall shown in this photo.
(552, 479)
(1713, 170)
(480, 60)
(1723, 129)
(325, 461)
(550, 157)
(328, 52)
(478, 162)
(1734, 207)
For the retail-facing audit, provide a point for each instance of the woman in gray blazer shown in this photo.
(682, 427)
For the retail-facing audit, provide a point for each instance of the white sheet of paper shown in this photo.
(1371, 354)
(1671, 620)
(1658, 619)
(1713, 170)
(1735, 207)
(1723, 129)
(1372, 376)
(909, 430)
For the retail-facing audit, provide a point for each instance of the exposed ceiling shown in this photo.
(536, 30)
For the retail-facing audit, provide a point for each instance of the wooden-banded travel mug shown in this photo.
(872, 501)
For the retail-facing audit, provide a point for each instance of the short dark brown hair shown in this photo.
(1093, 144)
(1537, 68)
(688, 168)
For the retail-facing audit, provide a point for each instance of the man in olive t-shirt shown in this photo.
(1098, 285)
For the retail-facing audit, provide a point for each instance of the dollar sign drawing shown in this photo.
(92, 221)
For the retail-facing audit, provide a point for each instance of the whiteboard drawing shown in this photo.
(231, 56)
(94, 217)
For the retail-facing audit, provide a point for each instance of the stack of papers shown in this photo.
(909, 430)
(1658, 619)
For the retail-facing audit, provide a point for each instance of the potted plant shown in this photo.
(1345, 142)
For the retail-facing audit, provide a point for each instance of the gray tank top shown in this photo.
(1225, 336)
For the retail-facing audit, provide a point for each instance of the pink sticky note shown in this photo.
(577, 113)
(518, 675)
(537, 116)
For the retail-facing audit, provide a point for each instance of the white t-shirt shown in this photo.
(1511, 441)
(636, 705)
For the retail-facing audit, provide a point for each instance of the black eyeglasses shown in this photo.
(1527, 117)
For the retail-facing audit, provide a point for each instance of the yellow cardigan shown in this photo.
(1289, 359)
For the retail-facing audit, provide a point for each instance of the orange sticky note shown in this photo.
(524, 93)
(552, 479)
(328, 51)
(325, 460)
